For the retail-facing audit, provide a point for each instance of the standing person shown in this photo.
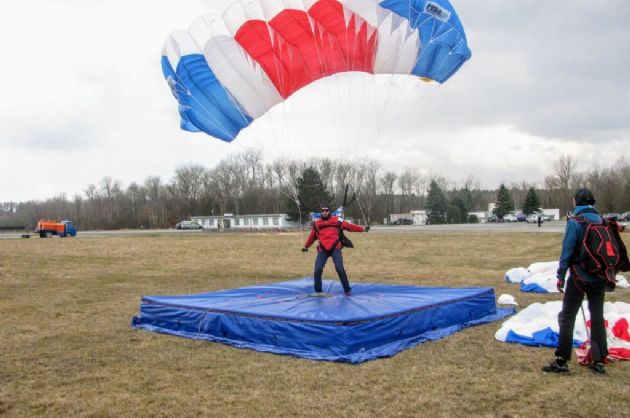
(579, 283)
(328, 230)
(539, 220)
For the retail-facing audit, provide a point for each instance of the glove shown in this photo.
(366, 229)
(560, 285)
(304, 249)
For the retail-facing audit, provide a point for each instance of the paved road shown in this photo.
(554, 226)
(122, 232)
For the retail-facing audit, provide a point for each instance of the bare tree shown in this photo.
(155, 207)
(136, 197)
(110, 190)
(369, 193)
(252, 159)
(78, 209)
(187, 185)
(387, 183)
(223, 182)
(409, 182)
(91, 194)
(564, 170)
(287, 174)
(342, 177)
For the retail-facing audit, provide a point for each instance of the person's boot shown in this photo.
(598, 368)
(559, 365)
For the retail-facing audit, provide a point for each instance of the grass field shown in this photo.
(67, 348)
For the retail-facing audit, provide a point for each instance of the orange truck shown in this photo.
(46, 228)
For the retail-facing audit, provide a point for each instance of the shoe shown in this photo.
(321, 295)
(557, 366)
(348, 293)
(598, 368)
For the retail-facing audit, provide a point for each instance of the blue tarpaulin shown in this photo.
(378, 320)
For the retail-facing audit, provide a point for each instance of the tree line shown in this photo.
(244, 183)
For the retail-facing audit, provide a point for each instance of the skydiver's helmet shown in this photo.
(325, 210)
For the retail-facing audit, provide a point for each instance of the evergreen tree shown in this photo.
(454, 214)
(436, 204)
(311, 193)
(459, 202)
(532, 203)
(467, 197)
(503, 203)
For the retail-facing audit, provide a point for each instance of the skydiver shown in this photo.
(579, 284)
(328, 230)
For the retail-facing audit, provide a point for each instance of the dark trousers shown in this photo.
(571, 303)
(320, 263)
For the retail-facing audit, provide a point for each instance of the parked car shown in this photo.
(521, 217)
(187, 225)
(611, 216)
(403, 221)
(492, 219)
(625, 216)
(510, 217)
(533, 218)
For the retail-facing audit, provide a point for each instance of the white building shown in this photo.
(482, 216)
(229, 221)
(417, 217)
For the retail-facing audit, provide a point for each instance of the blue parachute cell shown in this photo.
(204, 105)
(444, 46)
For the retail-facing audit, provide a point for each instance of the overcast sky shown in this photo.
(83, 97)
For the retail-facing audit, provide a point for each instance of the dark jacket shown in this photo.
(573, 235)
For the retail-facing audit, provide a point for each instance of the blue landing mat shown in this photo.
(378, 320)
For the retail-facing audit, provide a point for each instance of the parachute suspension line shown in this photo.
(301, 222)
(294, 196)
(402, 101)
(393, 103)
(361, 208)
(382, 110)
(366, 92)
(372, 113)
(331, 80)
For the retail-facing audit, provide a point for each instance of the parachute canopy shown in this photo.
(379, 320)
(537, 326)
(231, 68)
(540, 277)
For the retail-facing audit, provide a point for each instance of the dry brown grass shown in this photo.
(67, 348)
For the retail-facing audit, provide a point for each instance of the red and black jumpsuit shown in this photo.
(327, 232)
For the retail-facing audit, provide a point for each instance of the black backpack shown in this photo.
(602, 252)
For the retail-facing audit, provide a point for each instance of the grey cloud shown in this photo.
(70, 137)
(551, 69)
